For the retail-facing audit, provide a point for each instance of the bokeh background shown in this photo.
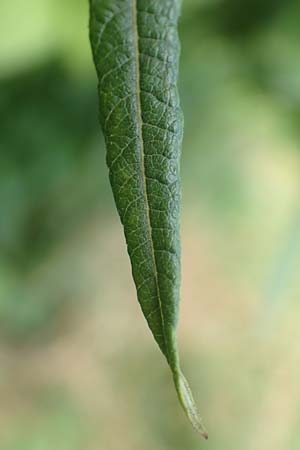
(79, 369)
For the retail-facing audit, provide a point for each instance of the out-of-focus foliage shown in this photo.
(51, 178)
(47, 121)
(63, 265)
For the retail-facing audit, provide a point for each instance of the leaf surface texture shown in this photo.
(135, 48)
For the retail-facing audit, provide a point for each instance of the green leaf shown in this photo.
(135, 49)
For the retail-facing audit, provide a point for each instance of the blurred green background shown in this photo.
(78, 367)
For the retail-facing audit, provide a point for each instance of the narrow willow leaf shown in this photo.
(135, 49)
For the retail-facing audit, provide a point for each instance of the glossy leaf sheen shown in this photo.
(135, 48)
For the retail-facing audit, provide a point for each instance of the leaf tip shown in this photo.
(204, 434)
(188, 404)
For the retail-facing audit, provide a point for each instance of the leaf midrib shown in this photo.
(143, 170)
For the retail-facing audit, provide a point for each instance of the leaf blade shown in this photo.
(135, 48)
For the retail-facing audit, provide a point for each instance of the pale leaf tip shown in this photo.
(187, 401)
(204, 434)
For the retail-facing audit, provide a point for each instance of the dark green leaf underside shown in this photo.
(135, 48)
